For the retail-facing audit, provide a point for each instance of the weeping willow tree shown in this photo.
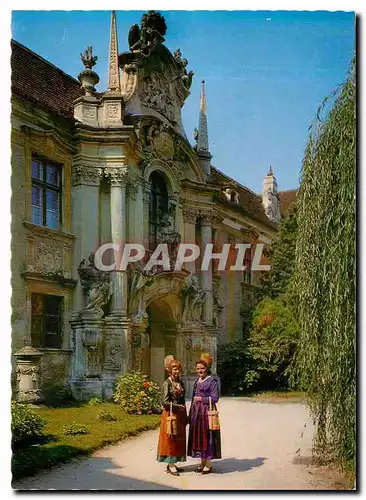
(324, 274)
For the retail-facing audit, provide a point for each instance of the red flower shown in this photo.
(146, 384)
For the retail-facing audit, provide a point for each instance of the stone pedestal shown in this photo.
(86, 363)
(28, 369)
(117, 351)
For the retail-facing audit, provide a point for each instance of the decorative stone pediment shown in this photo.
(154, 81)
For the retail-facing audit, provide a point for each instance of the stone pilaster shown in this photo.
(146, 205)
(206, 276)
(189, 218)
(85, 217)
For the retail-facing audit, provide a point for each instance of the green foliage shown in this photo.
(26, 424)
(74, 428)
(275, 282)
(274, 336)
(106, 416)
(95, 401)
(236, 368)
(325, 274)
(58, 447)
(136, 394)
(262, 360)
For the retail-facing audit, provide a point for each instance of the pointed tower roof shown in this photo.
(202, 143)
(114, 81)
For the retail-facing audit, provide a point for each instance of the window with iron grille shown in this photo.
(158, 207)
(46, 326)
(46, 193)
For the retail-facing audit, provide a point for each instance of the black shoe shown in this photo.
(208, 471)
(199, 470)
(172, 472)
(179, 469)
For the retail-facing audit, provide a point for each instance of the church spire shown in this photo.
(202, 143)
(114, 82)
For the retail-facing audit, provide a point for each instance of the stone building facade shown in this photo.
(91, 168)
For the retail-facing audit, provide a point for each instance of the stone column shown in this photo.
(27, 369)
(117, 178)
(189, 219)
(146, 205)
(85, 218)
(206, 276)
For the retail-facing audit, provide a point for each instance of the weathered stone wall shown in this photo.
(55, 372)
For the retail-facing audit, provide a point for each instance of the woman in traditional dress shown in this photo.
(172, 448)
(202, 442)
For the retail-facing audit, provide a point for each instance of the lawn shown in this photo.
(280, 396)
(58, 447)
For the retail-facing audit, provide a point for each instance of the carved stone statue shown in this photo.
(183, 63)
(95, 283)
(167, 234)
(193, 299)
(139, 278)
(149, 35)
(88, 59)
(216, 309)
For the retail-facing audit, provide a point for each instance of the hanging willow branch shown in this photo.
(325, 274)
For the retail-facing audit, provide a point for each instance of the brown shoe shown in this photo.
(171, 472)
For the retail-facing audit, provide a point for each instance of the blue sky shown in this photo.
(266, 73)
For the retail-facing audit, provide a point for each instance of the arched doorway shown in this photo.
(162, 330)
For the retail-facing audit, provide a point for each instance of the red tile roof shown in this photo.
(249, 202)
(37, 80)
(287, 200)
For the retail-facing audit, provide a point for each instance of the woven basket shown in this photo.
(171, 423)
(213, 418)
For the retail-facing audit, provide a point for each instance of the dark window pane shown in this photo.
(46, 321)
(53, 305)
(37, 170)
(52, 209)
(53, 175)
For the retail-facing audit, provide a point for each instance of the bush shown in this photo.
(95, 401)
(274, 336)
(73, 429)
(106, 416)
(135, 394)
(262, 360)
(236, 368)
(26, 424)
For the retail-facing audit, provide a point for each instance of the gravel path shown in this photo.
(259, 441)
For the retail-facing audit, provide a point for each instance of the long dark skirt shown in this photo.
(171, 450)
(202, 443)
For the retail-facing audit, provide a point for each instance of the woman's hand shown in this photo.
(197, 398)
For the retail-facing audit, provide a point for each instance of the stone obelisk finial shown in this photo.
(114, 81)
(202, 143)
(204, 155)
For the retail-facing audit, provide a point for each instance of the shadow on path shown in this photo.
(227, 465)
(97, 474)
